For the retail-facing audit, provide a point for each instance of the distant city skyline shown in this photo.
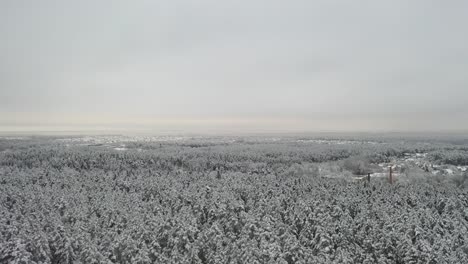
(233, 66)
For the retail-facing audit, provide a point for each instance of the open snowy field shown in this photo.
(144, 199)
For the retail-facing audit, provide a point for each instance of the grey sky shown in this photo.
(245, 64)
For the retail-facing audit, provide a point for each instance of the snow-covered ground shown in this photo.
(113, 139)
(336, 141)
(120, 149)
(13, 138)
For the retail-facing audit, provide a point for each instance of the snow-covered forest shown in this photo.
(233, 200)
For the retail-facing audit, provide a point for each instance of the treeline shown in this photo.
(196, 155)
(457, 157)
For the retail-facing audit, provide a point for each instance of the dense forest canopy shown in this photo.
(232, 200)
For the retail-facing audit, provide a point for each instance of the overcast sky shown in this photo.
(244, 65)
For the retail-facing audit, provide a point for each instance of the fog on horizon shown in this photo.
(235, 66)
